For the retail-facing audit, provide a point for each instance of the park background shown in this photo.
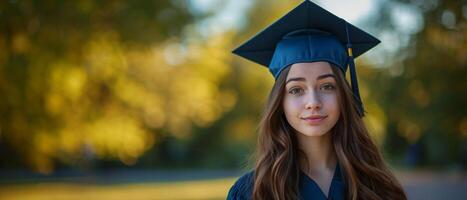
(144, 100)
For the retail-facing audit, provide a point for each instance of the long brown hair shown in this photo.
(277, 169)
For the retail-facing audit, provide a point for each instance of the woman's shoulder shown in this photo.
(242, 189)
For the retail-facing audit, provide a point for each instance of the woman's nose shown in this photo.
(313, 101)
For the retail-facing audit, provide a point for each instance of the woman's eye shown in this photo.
(328, 87)
(295, 91)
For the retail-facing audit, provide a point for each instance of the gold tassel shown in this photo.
(349, 50)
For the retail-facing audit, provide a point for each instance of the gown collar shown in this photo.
(309, 189)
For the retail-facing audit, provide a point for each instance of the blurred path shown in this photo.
(426, 185)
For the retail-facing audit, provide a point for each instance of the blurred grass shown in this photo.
(419, 185)
(200, 189)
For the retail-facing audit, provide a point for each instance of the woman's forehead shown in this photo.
(309, 70)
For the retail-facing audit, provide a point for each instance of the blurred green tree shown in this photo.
(422, 90)
(91, 80)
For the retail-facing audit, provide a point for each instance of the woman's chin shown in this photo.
(313, 133)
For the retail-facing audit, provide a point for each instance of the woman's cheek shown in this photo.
(297, 104)
(331, 98)
(330, 101)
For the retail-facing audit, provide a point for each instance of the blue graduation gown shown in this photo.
(308, 188)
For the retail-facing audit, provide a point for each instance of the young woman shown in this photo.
(312, 142)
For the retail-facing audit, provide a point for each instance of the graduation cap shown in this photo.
(309, 33)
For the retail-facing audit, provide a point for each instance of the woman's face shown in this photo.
(311, 98)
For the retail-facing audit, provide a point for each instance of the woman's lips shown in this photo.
(314, 119)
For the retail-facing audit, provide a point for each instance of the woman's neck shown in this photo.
(319, 151)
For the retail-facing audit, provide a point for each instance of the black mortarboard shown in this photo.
(309, 33)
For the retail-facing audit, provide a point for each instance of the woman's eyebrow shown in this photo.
(304, 79)
(296, 79)
(325, 76)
